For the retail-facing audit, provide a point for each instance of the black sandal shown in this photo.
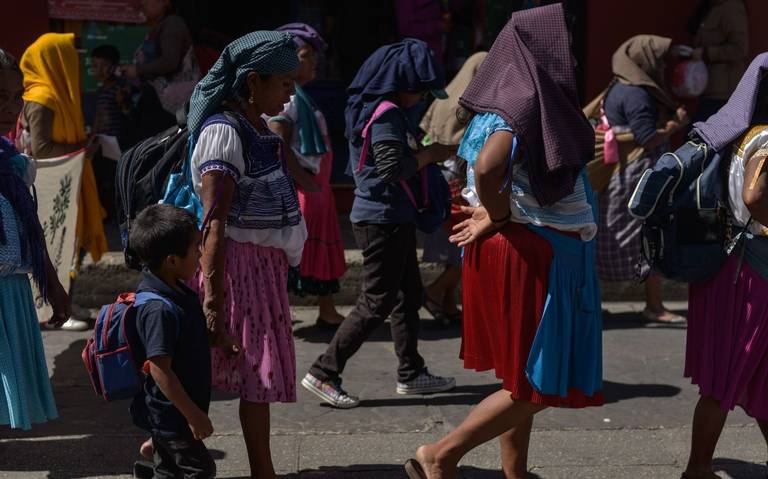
(436, 310)
(414, 470)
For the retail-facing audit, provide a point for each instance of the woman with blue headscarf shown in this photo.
(310, 160)
(256, 230)
(385, 165)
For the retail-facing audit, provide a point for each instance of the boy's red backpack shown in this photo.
(114, 370)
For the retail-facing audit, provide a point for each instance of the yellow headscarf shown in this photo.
(51, 71)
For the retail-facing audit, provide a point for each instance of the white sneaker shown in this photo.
(71, 324)
(426, 383)
(80, 313)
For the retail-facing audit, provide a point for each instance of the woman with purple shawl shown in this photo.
(26, 396)
(727, 348)
(531, 297)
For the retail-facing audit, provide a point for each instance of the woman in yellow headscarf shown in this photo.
(53, 118)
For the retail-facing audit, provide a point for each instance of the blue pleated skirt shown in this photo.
(26, 397)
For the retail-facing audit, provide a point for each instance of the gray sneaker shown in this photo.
(330, 392)
(426, 383)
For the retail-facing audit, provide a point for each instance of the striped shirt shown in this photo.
(571, 214)
(109, 116)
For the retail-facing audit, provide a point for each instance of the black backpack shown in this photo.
(143, 172)
(141, 176)
(683, 203)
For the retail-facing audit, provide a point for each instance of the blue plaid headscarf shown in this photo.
(265, 52)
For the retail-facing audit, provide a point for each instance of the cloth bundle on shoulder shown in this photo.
(638, 62)
(608, 141)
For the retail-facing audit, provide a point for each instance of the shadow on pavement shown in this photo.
(90, 438)
(631, 320)
(385, 471)
(469, 395)
(617, 392)
(430, 331)
(737, 469)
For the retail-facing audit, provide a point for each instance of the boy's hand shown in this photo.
(200, 424)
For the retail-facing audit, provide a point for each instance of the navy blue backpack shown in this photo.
(113, 368)
(682, 201)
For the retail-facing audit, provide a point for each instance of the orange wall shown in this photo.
(29, 20)
(610, 22)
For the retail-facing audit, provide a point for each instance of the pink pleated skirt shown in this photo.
(258, 316)
(727, 348)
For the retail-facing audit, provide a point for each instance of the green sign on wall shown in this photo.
(127, 39)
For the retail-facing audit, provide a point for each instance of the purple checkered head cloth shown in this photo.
(735, 117)
(528, 79)
(303, 34)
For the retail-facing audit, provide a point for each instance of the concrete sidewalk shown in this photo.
(642, 432)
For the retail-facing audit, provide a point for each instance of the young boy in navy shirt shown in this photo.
(174, 341)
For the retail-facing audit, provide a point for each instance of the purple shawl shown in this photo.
(528, 80)
(735, 117)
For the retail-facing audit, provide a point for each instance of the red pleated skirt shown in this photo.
(505, 287)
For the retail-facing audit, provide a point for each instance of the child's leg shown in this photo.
(254, 418)
(495, 415)
(708, 422)
(188, 458)
(514, 450)
(146, 449)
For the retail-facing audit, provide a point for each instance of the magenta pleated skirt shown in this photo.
(727, 348)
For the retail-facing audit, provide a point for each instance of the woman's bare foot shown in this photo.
(332, 318)
(147, 449)
(434, 469)
(662, 315)
(327, 311)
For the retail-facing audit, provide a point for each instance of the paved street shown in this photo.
(642, 432)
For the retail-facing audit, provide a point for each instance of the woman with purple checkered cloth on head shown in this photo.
(531, 299)
(726, 353)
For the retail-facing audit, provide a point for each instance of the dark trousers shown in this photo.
(182, 458)
(391, 288)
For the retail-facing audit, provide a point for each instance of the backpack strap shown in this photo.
(382, 108)
(147, 297)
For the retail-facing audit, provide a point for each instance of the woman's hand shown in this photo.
(477, 226)
(681, 115)
(59, 301)
(226, 344)
(214, 315)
